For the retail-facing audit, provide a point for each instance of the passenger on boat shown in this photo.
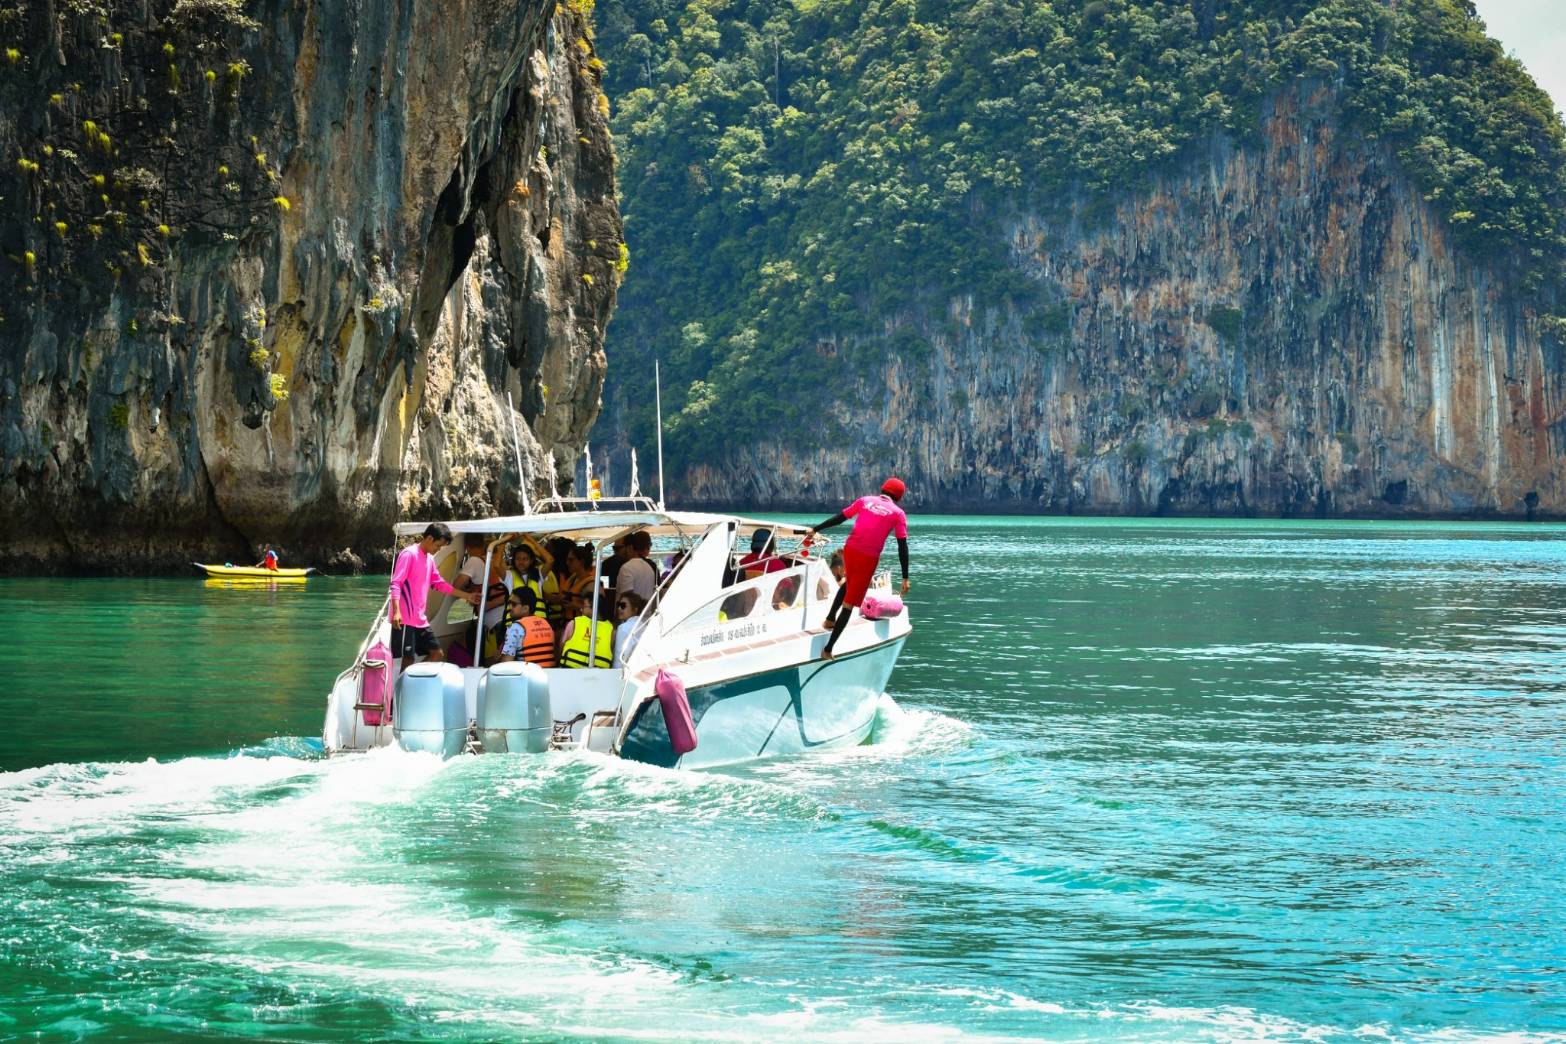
(763, 557)
(528, 635)
(412, 577)
(875, 518)
(578, 579)
(495, 601)
(637, 574)
(784, 593)
(628, 625)
(610, 568)
(825, 587)
(557, 580)
(268, 558)
(524, 572)
(579, 648)
(470, 577)
(738, 604)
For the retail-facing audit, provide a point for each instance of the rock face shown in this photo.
(1282, 328)
(278, 265)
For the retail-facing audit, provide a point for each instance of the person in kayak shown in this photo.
(875, 518)
(411, 580)
(268, 558)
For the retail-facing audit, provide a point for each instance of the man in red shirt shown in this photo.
(875, 519)
(763, 557)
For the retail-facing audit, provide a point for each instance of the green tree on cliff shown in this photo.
(798, 174)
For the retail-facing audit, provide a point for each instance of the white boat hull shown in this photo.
(814, 705)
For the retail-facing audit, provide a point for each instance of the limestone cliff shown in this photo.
(275, 267)
(1282, 326)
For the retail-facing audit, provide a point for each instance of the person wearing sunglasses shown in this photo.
(529, 636)
(628, 624)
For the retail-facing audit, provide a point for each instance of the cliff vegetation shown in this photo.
(821, 191)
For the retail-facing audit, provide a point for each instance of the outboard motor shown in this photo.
(513, 709)
(431, 710)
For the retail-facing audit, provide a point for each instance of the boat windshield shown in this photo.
(782, 591)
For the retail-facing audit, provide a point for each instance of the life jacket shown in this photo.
(555, 612)
(271, 560)
(575, 652)
(518, 581)
(580, 585)
(538, 641)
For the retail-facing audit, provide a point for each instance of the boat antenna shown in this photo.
(658, 401)
(516, 447)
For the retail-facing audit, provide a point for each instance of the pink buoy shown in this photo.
(676, 711)
(878, 606)
(375, 685)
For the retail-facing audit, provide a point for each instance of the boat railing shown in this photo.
(557, 503)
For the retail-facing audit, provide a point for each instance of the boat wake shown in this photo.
(273, 891)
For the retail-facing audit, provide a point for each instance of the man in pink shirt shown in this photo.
(412, 577)
(875, 518)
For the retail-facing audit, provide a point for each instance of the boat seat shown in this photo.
(607, 720)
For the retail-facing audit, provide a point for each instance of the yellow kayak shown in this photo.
(231, 572)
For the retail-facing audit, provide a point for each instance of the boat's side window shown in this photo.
(784, 594)
(739, 604)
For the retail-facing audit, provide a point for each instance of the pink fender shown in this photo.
(676, 711)
(375, 684)
(878, 606)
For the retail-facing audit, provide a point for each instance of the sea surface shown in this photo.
(1161, 780)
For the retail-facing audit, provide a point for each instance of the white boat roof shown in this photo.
(601, 525)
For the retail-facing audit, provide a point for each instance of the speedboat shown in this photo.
(724, 669)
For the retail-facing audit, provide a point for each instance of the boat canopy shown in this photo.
(598, 526)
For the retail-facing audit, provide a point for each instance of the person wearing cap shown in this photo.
(763, 557)
(875, 518)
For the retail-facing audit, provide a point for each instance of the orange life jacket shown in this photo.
(538, 641)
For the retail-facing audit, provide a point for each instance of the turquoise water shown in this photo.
(1160, 780)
